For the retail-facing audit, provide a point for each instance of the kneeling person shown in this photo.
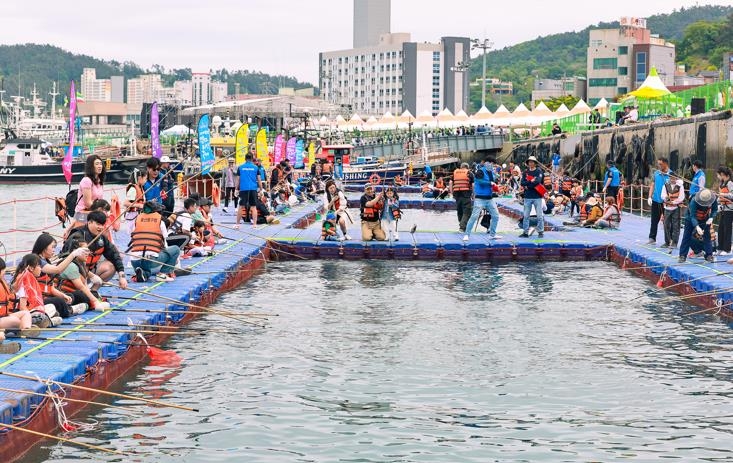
(147, 242)
(371, 207)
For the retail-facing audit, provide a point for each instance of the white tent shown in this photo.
(481, 117)
(562, 111)
(176, 130)
(461, 116)
(371, 121)
(602, 106)
(541, 113)
(445, 116)
(339, 121)
(323, 121)
(520, 115)
(406, 117)
(425, 119)
(502, 116)
(581, 107)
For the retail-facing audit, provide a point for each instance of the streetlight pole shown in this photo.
(484, 45)
(462, 67)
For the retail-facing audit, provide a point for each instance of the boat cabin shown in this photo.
(24, 152)
(336, 154)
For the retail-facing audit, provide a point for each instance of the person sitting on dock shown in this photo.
(205, 211)
(10, 317)
(135, 195)
(100, 246)
(180, 223)
(148, 246)
(594, 210)
(264, 215)
(673, 195)
(611, 217)
(76, 282)
(334, 200)
(30, 292)
(371, 207)
(699, 218)
(196, 247)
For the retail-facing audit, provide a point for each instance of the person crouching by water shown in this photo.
(328, 228)
(483, 190)
(699, 219)
(673, 195)
(371, 206)
(611, 217)
(334, 200)
(99, 246)
(531, 180)
(148, 245)
(391, 213)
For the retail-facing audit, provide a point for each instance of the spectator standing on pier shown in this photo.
(460, 188)
(613, 179)
(556, 163)
(532, 181)
(699, 219)
(91, 187)
(661, 176)
(698, 178)
(673, 195)
(725, 200)
(230, 175)
(248, 183)
(167, 185)
(556, 129)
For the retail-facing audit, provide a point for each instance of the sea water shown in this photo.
(390, 361)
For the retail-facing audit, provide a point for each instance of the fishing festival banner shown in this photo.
(299, 148)
(205, 151)
(279, 149)
(155, 131)
(241, 144)
(68, 157)
(290, 151)
(311, 155)
(261, 147)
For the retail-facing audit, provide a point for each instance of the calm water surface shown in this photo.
(434, 362)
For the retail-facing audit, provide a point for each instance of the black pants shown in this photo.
(657, 210)
(61, 306)
(464, 208)
(612, 191)
(725, 228)
(672, 227)
(229, 194)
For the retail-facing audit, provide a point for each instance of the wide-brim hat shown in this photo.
(592, 201)
(165, 159)
(705, 197)
(531, 158)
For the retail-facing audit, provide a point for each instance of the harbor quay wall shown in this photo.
(706, 137)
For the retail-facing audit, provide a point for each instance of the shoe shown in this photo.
(682, 259)
(465, 238)
(460, 230)
(665, 246)
(236, 226)
(710, 258)
(41, 320)
(723, 253)
(32, 332)
(80, 308)
(182, 272)
(396, 237)
(140, 275)
(9, 348)
(524, 235)
(162, 277)
(495, 237)
(56, 321)
(102, 305)
(541, 235)
(651, 241)
(347, 237)
(276, 222)
(224, 210)
(531, 231)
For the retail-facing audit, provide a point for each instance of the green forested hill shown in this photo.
(43, 64)
(565, 54)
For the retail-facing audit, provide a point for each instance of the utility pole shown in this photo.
(484, 45)
(53, 94)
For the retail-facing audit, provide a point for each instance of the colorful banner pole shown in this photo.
(279, 149)
(311, 155)
(155, 131)
(205, 152)
(290, 151)
(299, 149)
(261, 147)
(69, 156)
(241, 144)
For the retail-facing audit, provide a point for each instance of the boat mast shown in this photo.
(34, 101)
(53, 94)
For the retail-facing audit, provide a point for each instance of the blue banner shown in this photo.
(299, 148)
(205, 151)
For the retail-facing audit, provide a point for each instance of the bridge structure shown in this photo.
(445, 144)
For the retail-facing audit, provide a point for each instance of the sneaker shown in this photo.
(682, 259)
(531, 231)
(163, 278)
(665, 245)
(541, 234)
(32, 332)
(9, 348)
(140, 275)
(651, 241)
(396, 237)
(465, 238)
(723, 253)
(495, 237)
(182, 272)
(56, 321)
(710, 259)
(524, 235)
(80, 308)
(224, 210)
(460, 230)
(347, 237)
(235, 226)
(276, 222)
(102, 305)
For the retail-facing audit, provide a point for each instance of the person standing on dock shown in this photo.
(460, 188)
(483, 191)
(699, 220)
(698, 178)
(725, 200)
(673, 195)
(371, 208)
(613, 180)
(661, 176)
(248, 185)
(91, 188)
(534, 191)
(230, 175)
(167, 185)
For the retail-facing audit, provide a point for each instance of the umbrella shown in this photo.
(653, 87)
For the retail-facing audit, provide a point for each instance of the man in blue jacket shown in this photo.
(699, 219)
(483, 182)
(613, 180)
(248, 185)
(531, 180)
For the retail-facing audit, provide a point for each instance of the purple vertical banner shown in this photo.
(69, 156)
(155, 131)
(278, 150)
(290, 151)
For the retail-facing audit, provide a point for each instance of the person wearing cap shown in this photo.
(371, 206)
(167, 185)
(461, 186)
(148, 247)
(661, 176)
(230, 183)
(483, 191)
(612, 179)
(673, 195)
(533, 178)
(699, 219)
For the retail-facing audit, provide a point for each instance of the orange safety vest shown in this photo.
(8, 301)
(673, 192)
(139, 197)
(425, 187)
(439, 183)
(567, 184)
(615, 218)
(576, 192)
(147, 236)
(373, 213)
(724, 201)
(461, 181)
(583, 211)
(702, 214)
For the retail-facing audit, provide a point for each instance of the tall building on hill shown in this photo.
(396, 75)
(371, 20)
(93, 89)
(620, 59)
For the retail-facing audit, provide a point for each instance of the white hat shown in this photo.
(531, 158)
(165, 159)
(705, 197)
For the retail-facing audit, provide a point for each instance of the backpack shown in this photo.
(65, 208)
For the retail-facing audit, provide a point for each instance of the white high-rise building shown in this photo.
(135, 92)
(93, 89)
(184, 92)
(152, 86)
(201, 84)
(218, 92)
(371, 21)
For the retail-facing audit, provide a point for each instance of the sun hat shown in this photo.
(531, 158)
(165, 159)
(705, 197)
(592, 201)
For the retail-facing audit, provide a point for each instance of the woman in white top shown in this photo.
(334, 200)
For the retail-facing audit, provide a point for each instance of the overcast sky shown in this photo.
(285, 36)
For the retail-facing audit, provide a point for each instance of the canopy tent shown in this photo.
(540, 114)
(176, 130)
(562, 111)
(371, 121)
(461, 116)
(502, 116)
(387, 119)
(481, 117)
(355, 120)
(323, 121)
(581, 107)
(406, 117)
(520, 115)
(653, 87)
(339, 121)
(425, 119)
(602, 105)
(445, 116)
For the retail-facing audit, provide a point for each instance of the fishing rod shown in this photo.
(176, 301)
(266, 239)
(711, 292)
(78, 329)
(84, 339)
(165, 311)
(173, 328)
(68, 399)
(98, 391)
(61, 439)
(678, 284)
